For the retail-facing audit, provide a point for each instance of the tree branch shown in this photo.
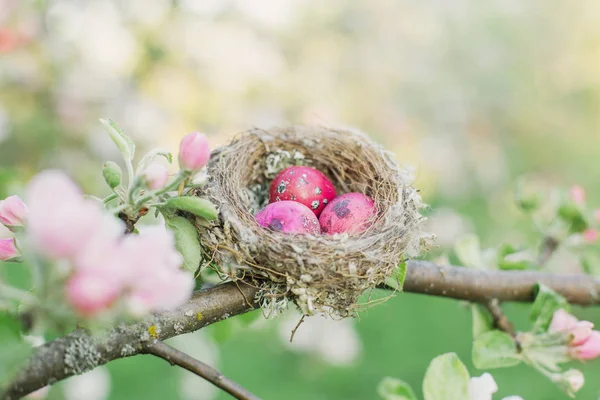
(481, 286)
(176, 357)
(79, 352)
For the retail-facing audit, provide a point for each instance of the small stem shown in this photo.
(501, 321)
(110, 198)
(12, 293)
(176, 357)
(130, 173)
(172, 186)
(549, 246)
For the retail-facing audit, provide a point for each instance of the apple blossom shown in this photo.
(194, 152)
(91, 292)
(156, 176)
(8, 249)
(589, 349)
(60, 221)
(580, 331)
(13, 212)
(483, 387)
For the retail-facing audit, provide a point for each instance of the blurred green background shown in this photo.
(473, 94)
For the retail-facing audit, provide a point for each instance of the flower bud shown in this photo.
(575, 379)
(8, 250)
(562, 321)
(590, 235)
(577, 194)
(13, 212)
(156, 176)
(581, 332)
(112, 174)
(91, 292)
(589, 349)
(194, 152)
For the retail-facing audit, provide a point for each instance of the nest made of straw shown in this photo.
(324, 274)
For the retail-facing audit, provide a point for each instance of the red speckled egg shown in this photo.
(304, 185)
(289, 217)
(351, 213)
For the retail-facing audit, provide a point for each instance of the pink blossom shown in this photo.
(580, 331)
(589, 349)
(562, 321)
(155, 281)
(8, 249)
(165, 290)
(577, 194)
(156, 176)
(151, 251)
(13, 212)
(103, 252)
(61, 222)
(590, 235)
(194, 152)
(91, 292)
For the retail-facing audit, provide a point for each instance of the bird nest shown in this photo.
(320, 273)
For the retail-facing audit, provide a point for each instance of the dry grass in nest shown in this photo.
(322, 274)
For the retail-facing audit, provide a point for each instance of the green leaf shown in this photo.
(495, 349)
(123, 142)
(395, 389)
(482, 320)
(186, 242)
(546, 303)
(446, 378)
(397, 279)
(195, 205)
(468, 251)
(516, 260)
(14, 351)
(573, 215)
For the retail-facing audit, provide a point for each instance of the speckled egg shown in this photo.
(351, 213)
(289, 217)
(305, 185)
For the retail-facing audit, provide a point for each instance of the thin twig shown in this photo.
(549, 246)
(296, 328)
(183, 360)
(500, 320)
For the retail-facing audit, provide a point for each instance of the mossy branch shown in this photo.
(79, 352)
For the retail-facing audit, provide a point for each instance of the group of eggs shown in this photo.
(303, 200)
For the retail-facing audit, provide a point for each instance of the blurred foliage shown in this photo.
(474, 94)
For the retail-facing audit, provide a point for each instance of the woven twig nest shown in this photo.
(322, 274)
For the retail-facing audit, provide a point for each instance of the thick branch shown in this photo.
(481, 286)
(176, 357)
(78, 352)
